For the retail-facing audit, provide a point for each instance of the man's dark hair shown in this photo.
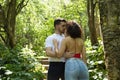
(58, 21)
(73, 29)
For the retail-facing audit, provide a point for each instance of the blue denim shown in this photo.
(76, 69)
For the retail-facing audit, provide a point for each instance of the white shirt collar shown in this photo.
(59, 34)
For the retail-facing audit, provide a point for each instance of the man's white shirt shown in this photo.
(49, 43)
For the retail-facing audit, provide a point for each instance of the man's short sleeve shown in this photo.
(48, 42)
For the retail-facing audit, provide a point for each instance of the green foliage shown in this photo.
(19, 64)
(35, 22)
(75, 10)
(96, 63)
(33, 25)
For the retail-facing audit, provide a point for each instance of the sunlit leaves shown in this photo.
(95, 60)
(20, 63)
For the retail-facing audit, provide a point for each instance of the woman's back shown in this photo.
(74, 45)
(75, 69)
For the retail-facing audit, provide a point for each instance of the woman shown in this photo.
(75, 68)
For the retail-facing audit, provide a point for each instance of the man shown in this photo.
(56, 65)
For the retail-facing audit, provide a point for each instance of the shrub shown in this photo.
(19, 64)
(96, 63)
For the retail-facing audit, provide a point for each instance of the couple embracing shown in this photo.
(65, 49)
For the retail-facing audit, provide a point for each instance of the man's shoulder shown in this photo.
(50, 37)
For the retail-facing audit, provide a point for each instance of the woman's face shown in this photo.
(65, 33)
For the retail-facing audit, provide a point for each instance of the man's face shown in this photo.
(62, 27)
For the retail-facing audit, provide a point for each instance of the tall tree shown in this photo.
(10, 11)
(91, 21)
(110, 25)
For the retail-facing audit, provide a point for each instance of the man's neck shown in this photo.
(57, 32)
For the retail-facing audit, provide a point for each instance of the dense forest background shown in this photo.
(25, 24)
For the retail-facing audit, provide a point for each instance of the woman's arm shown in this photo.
(55, 42)
(62, 49)
(84, 55)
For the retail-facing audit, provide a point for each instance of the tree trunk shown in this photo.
(97, 20)
(10, 11)
(110, 25)
(10, 24)
(91, 22)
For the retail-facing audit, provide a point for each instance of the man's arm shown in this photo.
(69, 54)
(48, 49)
(49, 52)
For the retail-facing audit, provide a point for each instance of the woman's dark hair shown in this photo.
(58, 21)
(73, 29)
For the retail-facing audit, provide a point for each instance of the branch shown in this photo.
(95, 4)
(2, 31)
(2, 38)
(21, 5)
(7, 10)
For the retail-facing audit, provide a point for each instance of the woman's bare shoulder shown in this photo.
(67, 38)
(81, 39)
